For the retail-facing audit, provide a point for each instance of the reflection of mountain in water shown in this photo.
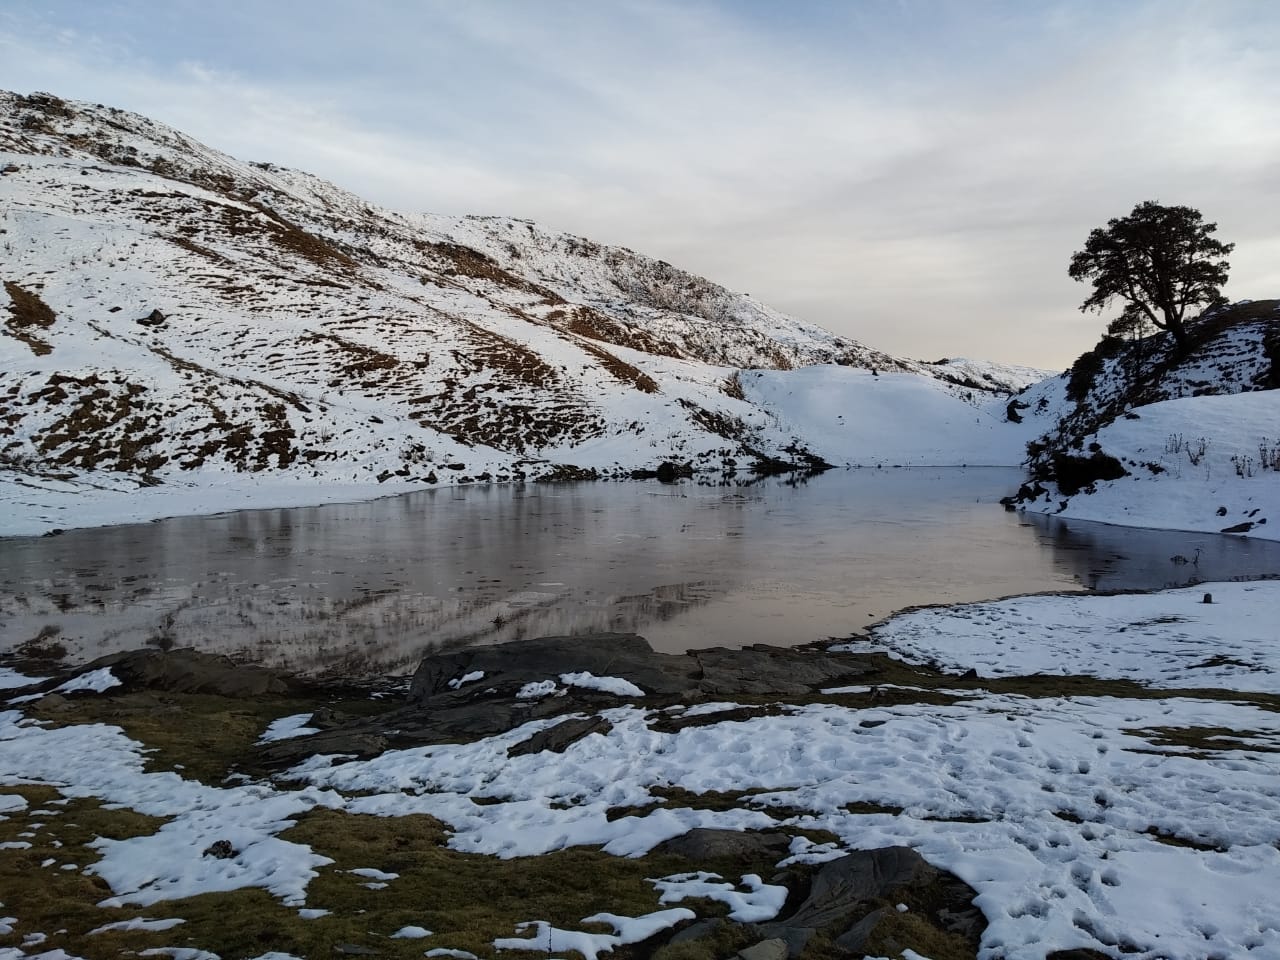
(1105, 557)
(368, 588)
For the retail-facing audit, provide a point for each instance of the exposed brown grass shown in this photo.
(620, 370)
(590, 323)
(28, 312)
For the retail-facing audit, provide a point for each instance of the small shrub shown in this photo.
(1195, 450)
(1072, 473)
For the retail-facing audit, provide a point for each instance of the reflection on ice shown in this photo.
(365, 588)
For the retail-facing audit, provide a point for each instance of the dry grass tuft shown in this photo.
(28, 312)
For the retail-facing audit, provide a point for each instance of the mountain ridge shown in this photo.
(173, 316)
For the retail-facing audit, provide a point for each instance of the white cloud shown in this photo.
(915, 177)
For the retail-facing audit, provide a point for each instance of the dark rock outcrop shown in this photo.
(852, 898)
(181, 671)
(444, 706)
(718, 671)
(705, 843)
(852, 902)
(509, 666)
(189, 671)
(561, 737)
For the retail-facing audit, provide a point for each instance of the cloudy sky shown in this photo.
(915, 174)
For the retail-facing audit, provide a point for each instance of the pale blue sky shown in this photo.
(913, 174)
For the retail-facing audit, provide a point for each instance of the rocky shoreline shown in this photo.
(844, 904)
(566, 774)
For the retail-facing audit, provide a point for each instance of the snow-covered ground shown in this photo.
(1197, 463)
(864, 418)
(1082, 822)
(1173, 638)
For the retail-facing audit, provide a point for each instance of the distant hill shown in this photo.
(180, 324)
(1141, 434)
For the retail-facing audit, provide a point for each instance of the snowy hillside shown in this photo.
(187, 332)
(1146, 437)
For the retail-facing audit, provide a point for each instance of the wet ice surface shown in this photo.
(369, 587)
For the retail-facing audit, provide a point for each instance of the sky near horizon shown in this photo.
(914, 174)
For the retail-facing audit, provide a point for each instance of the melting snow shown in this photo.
(614, 685)
(286, 727)
(760, 901)
(548, 939)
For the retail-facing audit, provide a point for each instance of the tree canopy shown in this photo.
(1160, 260)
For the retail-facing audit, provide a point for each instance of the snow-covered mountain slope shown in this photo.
(1207, 463)
(198, 332)
(1145, 436)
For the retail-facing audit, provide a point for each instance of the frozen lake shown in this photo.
(368, 587)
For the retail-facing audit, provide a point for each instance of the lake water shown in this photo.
(369, 587)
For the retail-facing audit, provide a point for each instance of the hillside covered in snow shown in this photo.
(1145, 435)
(185, 332)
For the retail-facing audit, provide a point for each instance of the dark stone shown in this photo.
(438, 711)
(796, 939)
(705, 843)
(1244, 527)
(220, 850)
(840, 885)
(669, 472)
(185, 671)
(563, 735)
(848, 898)
(154, 319)
(509, 666)
(326, 718)
(716, 671)
(774, 948)
(361, 743)
(763, 670)
(700, 930)
(856, 936)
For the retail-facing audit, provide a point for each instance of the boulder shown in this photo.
(187, 671)
(358, 743)
(771, 671)
(704, 843)
(559, 738)
(773, 949)
(848, 899)
(509, 666)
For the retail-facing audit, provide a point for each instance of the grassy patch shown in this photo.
(621, 370)
(1205, 742)
(204, 737)
(43, 895)
(469, 900)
